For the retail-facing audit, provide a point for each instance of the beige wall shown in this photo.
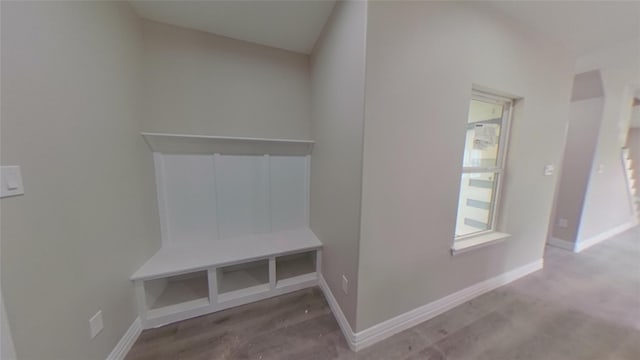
(337, 73)
(88, 219)
(416, 108)
(607, 203)
(584, 122)
(198, 83)
(585, 117)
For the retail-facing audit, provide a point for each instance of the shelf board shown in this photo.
(243, 293)
(185, 258)
(197, 144)
(178, 308)
(296, 280)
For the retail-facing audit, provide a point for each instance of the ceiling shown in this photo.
(285, 24)
(582, 27)
(295, 25)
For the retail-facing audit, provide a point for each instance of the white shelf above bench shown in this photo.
(197, 144)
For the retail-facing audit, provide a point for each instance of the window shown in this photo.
(482, 168)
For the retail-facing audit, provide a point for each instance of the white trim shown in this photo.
(216, 192)
(126, 342)
(161, 194)
(343, 323)
(562, 244)
(266, 183)
(151, 135)
(367, 337)
(307, 189)
(478, 241)
(587, 243)
(198, 144)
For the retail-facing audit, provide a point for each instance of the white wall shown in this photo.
(607, 204)
(337, 93)
(88, 219)
(585, 117)
(199, 83)
(422, 59)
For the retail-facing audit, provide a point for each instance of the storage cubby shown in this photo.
(177, 292)
(243, 279)
(294, 266)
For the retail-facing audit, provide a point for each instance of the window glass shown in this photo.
(482, 164)
(483, 134)
(476, 203)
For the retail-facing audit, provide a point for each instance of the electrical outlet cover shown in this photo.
(10, 181)
(95, 324)
(345, 285)
(563, 223)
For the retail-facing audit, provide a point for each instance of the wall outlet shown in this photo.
(10, 181)
(345, 285)
(95, 324)
(563, 223)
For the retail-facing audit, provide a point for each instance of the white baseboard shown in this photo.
(562, 244)
(589, 242)
(126, 342)
(367, 337)
(343, 323)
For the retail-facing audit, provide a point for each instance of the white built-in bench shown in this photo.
(190, 280)
(234, 224)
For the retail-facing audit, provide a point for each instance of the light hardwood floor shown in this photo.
(581, 306)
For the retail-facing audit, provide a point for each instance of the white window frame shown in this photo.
(492, 235)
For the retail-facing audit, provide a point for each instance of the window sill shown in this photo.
(476, 242)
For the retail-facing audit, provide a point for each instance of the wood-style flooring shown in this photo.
(581, 306)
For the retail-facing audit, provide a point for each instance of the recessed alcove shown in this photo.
(234, 216)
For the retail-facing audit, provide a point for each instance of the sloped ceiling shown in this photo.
(290, 25)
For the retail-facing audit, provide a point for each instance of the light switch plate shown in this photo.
(549, 169)
(345, 285)
(11, 181)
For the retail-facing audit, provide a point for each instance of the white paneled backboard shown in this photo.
(242, 195)
(210, 197)
(288, 179)
(187, 197)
